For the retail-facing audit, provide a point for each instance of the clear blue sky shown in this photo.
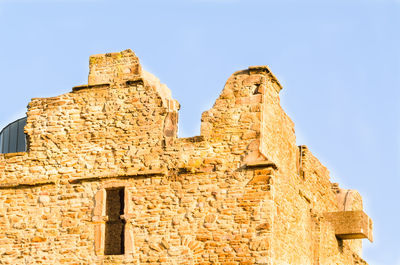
(338, 61)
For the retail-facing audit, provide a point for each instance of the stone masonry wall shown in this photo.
(240, 193)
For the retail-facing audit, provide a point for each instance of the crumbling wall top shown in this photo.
(113, 67)
(119, 68)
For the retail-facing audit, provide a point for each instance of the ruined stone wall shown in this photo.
(240, 193)
(302, 200)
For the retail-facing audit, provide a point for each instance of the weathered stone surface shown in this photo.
(240, 193)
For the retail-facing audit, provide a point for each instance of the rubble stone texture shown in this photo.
(242, 192)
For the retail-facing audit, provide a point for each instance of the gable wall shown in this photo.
(240, 193)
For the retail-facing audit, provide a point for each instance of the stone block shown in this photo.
(351, 224)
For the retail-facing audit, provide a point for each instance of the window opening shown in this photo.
(115, 225)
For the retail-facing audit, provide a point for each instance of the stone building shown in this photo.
(105, 179)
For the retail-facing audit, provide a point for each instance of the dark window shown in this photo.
(13, 137)
(115, 226)
(6, 140)
(1, 143)
(21, 140)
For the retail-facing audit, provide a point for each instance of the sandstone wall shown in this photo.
(240, 193)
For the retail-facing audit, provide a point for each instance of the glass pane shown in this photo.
(1, 143)
(21, 136)
(6, 139)
(13, 137)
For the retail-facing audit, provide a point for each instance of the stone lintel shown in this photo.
(127, 174)
(77, 88)
(133, 81)
(21, 185)
(351, 224)
(263, 163)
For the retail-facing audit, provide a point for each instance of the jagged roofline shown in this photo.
(128, 68)
(123, 68)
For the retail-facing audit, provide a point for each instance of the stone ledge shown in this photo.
(133, 81)
(10, 155)
(128, 174)
(77, 88)
(22, 185)
(264, 163)
(350, 224)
